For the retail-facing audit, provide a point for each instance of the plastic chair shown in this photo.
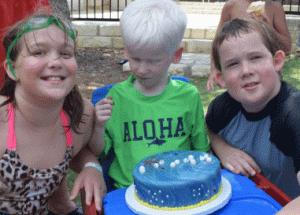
(98, 95)
(101, 92)
(271, 189)
(89, 210)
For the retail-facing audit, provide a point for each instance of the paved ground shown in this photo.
(202, 21)
(190, 65)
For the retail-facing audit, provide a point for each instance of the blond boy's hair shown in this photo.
(148, 24)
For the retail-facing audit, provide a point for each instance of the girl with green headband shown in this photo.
(46, 125)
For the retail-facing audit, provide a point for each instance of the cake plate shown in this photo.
(208, 208)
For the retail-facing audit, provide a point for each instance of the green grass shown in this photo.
(71, 176)
(206, 96)
(290, 73)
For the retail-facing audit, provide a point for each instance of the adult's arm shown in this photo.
(279, 25)
(225, 17)
(281, 29)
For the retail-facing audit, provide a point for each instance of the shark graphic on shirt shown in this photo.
(157, 142)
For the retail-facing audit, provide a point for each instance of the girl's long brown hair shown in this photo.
(73, 104)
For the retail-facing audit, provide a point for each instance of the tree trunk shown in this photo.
(60, 8)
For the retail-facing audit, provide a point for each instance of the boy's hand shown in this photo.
(238, 162)
(103, 110)
(92, 181)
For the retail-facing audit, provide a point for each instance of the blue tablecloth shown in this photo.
(246, 199)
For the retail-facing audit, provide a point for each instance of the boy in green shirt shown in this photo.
(150, 113)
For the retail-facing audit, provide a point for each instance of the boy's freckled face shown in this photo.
(149, 66)
(248, 69)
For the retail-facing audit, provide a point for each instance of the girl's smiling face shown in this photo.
(250, 71)
(46, 64)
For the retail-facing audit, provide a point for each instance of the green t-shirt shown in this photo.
(142, 125)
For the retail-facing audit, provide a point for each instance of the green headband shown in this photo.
(37, 24)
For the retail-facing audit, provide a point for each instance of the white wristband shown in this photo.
(93, 165)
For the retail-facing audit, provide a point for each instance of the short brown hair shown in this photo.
(234, 27)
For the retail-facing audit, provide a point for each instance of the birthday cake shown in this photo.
(177, 180)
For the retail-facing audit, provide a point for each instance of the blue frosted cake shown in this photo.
(177, 180)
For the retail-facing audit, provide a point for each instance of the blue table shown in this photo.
(246, 199)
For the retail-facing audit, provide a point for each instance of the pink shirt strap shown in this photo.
(67, 128)
(12, 143)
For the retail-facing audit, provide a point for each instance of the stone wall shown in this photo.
(196, 39)
(293, 23)
(108, 34)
